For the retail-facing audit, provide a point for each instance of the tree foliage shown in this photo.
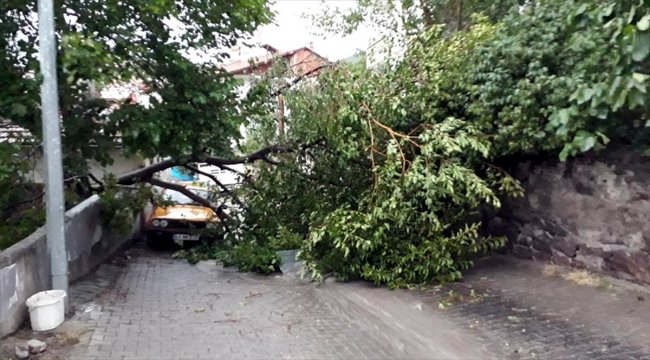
(569, 81)
(20, 205)
(392, 180)
(193, 107)
(169, 50)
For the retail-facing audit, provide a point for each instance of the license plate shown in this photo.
(185, 237)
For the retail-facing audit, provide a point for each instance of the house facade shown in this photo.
(301, 61)
(12, 133)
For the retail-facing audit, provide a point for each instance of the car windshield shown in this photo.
(181, 199)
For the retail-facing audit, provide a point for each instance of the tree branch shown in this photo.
(261, 154)
(145, 173)
(89, 175)
(199, 199)
(218, 183)
(185, 191)
(16, 205)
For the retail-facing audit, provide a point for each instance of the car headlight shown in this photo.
(155, 223)
(164, 223)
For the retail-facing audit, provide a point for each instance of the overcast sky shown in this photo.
(293, 29)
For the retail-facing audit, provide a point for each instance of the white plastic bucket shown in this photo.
(46, 309)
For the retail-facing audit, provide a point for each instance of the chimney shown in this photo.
(311, 45)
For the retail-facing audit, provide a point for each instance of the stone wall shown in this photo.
(25, 266)
(591, 212)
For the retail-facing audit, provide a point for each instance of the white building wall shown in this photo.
(120, 166)
(225, 177)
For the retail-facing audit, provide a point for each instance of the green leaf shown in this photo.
(583, 95)
(640, 78)
(18, 110)
(632, 14)
(644, 23)
(587, 143)
(636, 99)
(609, 10)
(565, 152)
(641, 46)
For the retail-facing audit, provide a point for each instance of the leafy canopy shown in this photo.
(170, 46)
(167, 48)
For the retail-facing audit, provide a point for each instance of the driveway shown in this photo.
(155, 307)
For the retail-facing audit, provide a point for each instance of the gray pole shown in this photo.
(52, 147)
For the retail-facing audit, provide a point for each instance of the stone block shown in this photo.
(36, 346)
(590, 212)
(21, 352)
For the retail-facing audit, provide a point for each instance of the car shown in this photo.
(178, 219)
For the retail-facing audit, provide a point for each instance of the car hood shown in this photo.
(184, 212)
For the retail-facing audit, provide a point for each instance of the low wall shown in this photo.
(25, 266)
(591, 212)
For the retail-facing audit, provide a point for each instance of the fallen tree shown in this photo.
(414, 150)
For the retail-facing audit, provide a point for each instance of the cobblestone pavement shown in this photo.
(160, 308)
(526, 310)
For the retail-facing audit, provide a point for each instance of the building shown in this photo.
(12, 133)
(301, 61)
(256, 62)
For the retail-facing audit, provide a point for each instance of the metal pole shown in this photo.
(55, 214)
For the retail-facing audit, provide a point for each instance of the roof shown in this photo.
(240, 66)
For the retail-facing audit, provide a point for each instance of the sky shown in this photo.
(292, 29)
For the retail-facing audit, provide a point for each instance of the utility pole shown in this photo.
(55, 212)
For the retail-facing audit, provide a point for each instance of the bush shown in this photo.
(562, 75)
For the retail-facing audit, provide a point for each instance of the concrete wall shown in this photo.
(592, 212)
(25, 266)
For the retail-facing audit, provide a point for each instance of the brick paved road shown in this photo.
(530, 313)
(159, 308)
